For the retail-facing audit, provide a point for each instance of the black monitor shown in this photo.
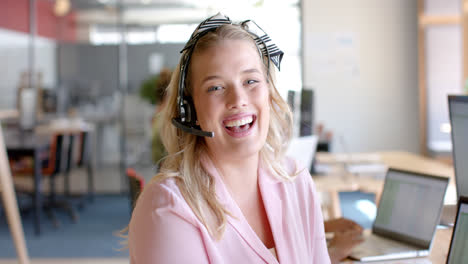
(307, 113)
(459, 242)
(458, 109)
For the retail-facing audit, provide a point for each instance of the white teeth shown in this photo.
(241, 122)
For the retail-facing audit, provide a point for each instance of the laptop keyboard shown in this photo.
(375, 245)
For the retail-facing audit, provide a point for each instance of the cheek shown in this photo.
(206, 112)
(266, 112)
(199, 108)
(264, 101)
(266, 118)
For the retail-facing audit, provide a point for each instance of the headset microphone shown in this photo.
(189, 128)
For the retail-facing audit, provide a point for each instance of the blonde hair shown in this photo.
(183, 163)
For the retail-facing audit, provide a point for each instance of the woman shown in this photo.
(226, 193)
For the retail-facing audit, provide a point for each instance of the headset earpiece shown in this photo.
(187, 119)
(187, 111)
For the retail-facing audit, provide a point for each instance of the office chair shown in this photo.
(78, 158)
(85, 160)
(51, 161)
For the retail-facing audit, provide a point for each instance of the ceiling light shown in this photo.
(61, 7)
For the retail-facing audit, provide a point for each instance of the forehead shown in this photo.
(226, 54)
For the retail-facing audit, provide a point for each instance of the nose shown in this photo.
(237, 97)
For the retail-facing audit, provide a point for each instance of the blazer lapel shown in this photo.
(273, 206)
(237, 220)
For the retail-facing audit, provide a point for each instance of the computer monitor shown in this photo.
(458, 109)
(458, 244)
(307, 113)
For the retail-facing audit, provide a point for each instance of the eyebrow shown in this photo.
(212, 77)
(251, 70)
(209, 78)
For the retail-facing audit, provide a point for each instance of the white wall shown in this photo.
(14, 61)
(360, 57)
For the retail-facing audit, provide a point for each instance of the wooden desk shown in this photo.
(342, 181)
(441, 246)
(439, 249)
(396, 159)
(64, 126)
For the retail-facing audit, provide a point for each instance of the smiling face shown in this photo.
(231, 97)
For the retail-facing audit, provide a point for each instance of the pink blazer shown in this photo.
(163, 228)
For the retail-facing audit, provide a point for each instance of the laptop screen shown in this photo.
(458, 108)
(459, 244)
(410, 206)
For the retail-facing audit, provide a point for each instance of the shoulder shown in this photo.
(161, 222)
(299, 173)
(301, 185)
(162, 198)
(307, 200)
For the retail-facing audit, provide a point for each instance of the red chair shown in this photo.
(136, 182)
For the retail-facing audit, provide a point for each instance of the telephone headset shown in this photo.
(187, 119)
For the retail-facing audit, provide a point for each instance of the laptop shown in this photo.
(407, 217)
(458, 244)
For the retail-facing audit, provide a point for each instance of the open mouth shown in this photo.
(240, 125)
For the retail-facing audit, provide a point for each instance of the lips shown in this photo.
(239, 125)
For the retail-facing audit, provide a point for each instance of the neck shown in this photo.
(239, 176)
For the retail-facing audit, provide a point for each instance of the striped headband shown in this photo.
(263, 41)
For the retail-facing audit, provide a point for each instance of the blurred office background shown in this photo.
(372, 75)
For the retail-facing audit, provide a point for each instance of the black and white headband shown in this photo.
(263, 41)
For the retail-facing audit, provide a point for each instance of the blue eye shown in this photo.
(214, 88)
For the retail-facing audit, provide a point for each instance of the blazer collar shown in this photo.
(272, 204)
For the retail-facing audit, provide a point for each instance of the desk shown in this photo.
(439, 249)
(29, 144)
(340, 181)
(441, 246)
(64, 126)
